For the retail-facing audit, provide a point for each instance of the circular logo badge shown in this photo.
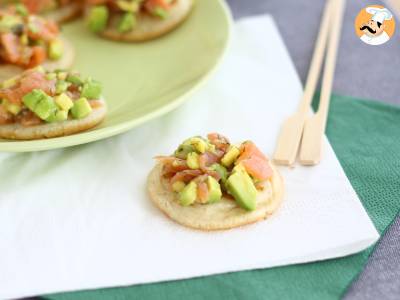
(375, 25)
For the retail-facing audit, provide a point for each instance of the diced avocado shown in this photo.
(127, 22)
(160, 12)
(189, 194)
(178, 186)
(183, 151)
(74, 79)
(230, 157)
(58, 116)
(64, 102)
(9, 83)
(81, 108)
(62, 75)
(7, 22)
(242, 188)
(193, 160)
(62, 86)
(91, 89)
(33, 28)
(214, 190)
(33, 98)
(40, 69)
(129, 6)
(98, 18)
(11, 107)
(51, 76)
(45, 108)
(56, 49)
(221, 170)
(198, 143)
(21, 9)
(24, 39)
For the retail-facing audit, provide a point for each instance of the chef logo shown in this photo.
(375, 25)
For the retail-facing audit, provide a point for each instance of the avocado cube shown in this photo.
(7, 22)
(33, 98)
(51, 76)
(74, 79)
(64, 102)
(62, 75)
(62, 86)
(129, 5)
(45, 107)
(188, 195)
(242, 188)
(160, 12)
(214, 190)
(21, 9)
(56, 49)
(91, 89)
(9, 83)
(221, 170)
(198, 143)
(81, 108)
(230, 157)
(98, 18)
(39, 69)
(178, 186)
(183, 151)
(58, 116)
(193, 160)
(24, 40)
(127, 22)
(11, 107)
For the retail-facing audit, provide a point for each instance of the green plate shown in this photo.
(143, 81)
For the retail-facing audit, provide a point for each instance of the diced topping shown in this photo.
(221, 170)
(91, 89)
(178, 186)
(27, 40)
(214, 190)
(203, 170)
(81, 109)
(39, 6)
(127, 22)
(98, 16)
(64, 102)
(193, 160)
(188, 195)
(56, 49)
(37, 96)
(230, 156)
(45, 107)
(254, 161)
(57, 116)
(242, 188)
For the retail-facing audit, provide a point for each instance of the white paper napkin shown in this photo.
(80, 218)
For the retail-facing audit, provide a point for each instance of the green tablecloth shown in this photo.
(366, 138)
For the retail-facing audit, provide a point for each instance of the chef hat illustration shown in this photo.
(379, 14)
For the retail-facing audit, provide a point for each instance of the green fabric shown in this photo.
(364, 135)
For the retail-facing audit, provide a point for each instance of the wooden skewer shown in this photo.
(292, 129)
(311, 144)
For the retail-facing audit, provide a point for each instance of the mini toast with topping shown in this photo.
(136, 20)
(27, 41)
(59, 11)
(211, 184)
(41, 104)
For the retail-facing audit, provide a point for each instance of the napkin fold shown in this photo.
(80, 218)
